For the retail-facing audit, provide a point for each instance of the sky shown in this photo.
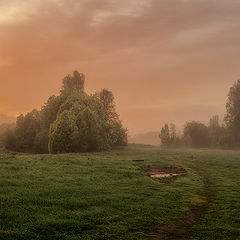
(164, 60)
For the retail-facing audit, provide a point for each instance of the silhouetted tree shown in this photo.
(165, 136)
(23, 137)
(214, 121)
(232, 117)
(196, 134)
(168, 136)
(217, 133)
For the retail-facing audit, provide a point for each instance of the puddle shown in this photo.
(165, 172)
(164, 175)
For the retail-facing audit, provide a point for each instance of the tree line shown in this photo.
(214, 135)
(72, 121)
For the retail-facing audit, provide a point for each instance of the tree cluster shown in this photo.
(73, 121)
(196, 135)
(215, 135)
(168, 136)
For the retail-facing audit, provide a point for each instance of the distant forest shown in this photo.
(73, 121)
(215, 135)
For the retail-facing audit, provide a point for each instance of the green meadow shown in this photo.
(100, 196)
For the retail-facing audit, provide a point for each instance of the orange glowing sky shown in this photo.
(164, 60)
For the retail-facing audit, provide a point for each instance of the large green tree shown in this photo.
(90, 128)
(73, 121)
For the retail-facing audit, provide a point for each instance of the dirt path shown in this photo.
(181, 228)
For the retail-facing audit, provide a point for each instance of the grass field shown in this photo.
(109, 196)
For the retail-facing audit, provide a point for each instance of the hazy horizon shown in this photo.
(164, 61)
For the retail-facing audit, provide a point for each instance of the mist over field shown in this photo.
(151, 138)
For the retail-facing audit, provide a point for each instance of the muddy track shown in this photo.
(181, 228)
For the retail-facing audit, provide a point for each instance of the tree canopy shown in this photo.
(74, 82)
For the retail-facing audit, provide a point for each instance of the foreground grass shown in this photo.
(108, 196)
